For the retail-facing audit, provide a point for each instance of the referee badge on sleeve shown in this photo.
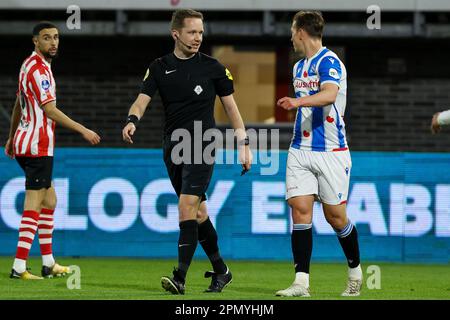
(228, 73)
(147, 74)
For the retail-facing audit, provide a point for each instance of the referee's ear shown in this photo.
(175, 34)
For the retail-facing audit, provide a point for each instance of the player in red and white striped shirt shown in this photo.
(31, 141)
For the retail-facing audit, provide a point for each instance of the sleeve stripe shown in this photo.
(49, 99)
(336, 82)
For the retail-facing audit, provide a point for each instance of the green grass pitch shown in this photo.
(110, 278)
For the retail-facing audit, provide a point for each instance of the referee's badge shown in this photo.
(198, 90)
(228, 73)
(147, 74)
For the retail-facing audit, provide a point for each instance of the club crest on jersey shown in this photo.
(198, 89)
(45, 84)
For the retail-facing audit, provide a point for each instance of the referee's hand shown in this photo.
(245, 157)
(128, 132)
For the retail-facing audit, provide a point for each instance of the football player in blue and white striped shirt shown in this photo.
(319, 162)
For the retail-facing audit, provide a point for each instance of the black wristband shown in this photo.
(245, 142)
(133, 119)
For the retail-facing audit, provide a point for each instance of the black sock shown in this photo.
(348, 237)
(301, 241)
(187, 243)
(207, 236)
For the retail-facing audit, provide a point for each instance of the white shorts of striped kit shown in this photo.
(326, 175)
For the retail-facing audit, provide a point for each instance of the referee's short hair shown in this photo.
(310, 21)
(178, 17)
(42, 25)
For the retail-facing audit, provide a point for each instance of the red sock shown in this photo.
(45, 229)
(27, 230)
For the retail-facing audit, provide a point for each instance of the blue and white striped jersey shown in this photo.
(320, 128)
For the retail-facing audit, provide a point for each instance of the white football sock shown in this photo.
(20, 265)
(355, 273)
(48, 260)
(302, 278)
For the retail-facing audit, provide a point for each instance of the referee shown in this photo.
(188, 82)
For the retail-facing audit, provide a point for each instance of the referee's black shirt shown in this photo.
(188, 88)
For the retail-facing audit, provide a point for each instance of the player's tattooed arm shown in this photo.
(326, 96)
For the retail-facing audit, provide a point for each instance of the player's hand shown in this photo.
(128, 132)
(91, 137)
(288, 103)
(435, 127)
(245, 157)
(9, 149)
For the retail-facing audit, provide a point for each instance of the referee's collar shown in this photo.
(39, 57)
(185, 59)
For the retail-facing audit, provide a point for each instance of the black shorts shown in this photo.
(191, 179)
(38, 172)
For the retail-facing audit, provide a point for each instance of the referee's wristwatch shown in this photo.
(133, 119)
(245, 141)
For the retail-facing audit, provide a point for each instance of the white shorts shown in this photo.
(323, 174)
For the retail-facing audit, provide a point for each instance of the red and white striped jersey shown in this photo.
(35, 136)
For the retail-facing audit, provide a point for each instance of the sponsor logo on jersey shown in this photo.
(24, 124)
(228, 73)
(299, 84)
(147, 74)
(45, 84)
(333, 73)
